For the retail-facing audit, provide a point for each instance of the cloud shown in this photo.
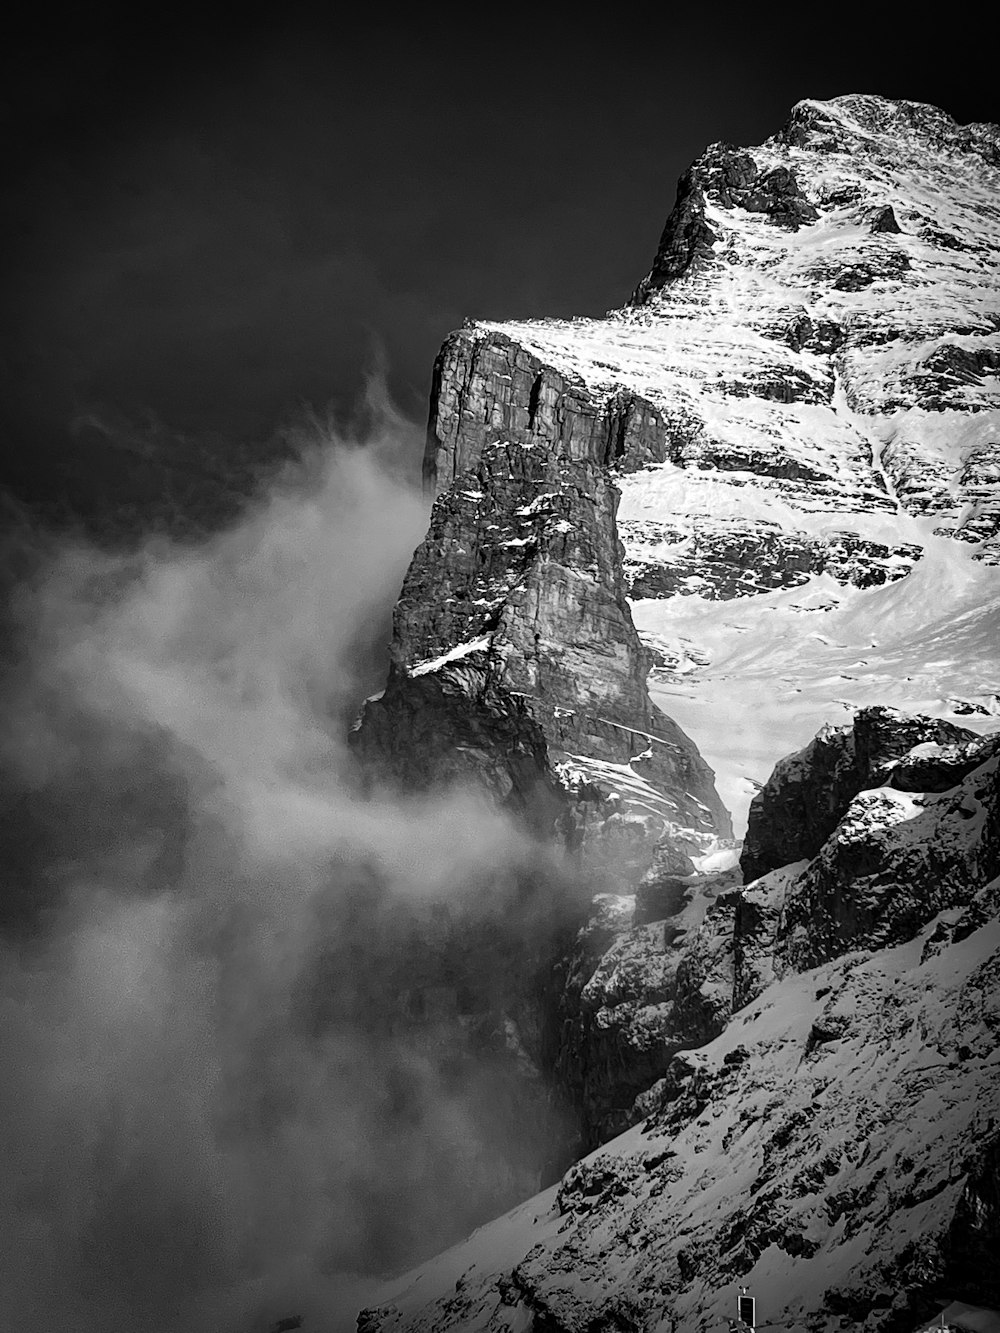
(217, 1108)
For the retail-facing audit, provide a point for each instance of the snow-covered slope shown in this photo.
(753, 679)
(842, 356)
(837, 1147)
(788, 1162)
(803, 395)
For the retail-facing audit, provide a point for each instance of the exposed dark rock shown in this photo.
(703, 998)
(488, 390)
(664, 887)
(687, 239)
(786, 387)
(945, 239)
(586, 1186)
(801, 803)
(523, 555)
(735, 558)
(778, 194)
(966, 365)
(802, 333)
(885, 221)
(948, 377)
(811, 125)
(733, 179)
(378, 1319)
(888, 868)
(728, 174)
(757, 929)
(936, 767)
(446, 729)
(635, 995)
(883, 266)
(808, 793)
(970, 1271)
(890, 863)
(659, 899)
(884, 739)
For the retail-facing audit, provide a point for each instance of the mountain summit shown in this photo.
(759, 501)
(802, 395)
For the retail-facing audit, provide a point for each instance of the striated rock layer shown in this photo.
(515, 607)
(513, 632)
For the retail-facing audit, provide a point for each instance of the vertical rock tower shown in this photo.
(515, 662)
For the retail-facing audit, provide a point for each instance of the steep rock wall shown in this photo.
(489, 389)
(646, 978)
(893, 855)
(516, 671)
(808, 793)
(515, 606)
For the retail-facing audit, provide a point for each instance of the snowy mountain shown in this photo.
(836, 1147)
(802, 395)
(759, 502)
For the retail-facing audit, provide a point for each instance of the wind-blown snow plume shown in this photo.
(210, 1110)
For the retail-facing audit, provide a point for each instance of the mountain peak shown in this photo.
(831, 167)
(864, 120)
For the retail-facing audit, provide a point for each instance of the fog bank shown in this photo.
(212, 1114)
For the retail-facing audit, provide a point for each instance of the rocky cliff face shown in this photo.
(809, 793)
(918, 835)
(515, 607)
(650, 975)
(835, 1146)
(761, 497)
(516, 668)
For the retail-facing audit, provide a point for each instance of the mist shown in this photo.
(214, 1110)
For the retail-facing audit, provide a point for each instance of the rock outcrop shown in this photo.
(808, 793)
(649, 976)
(892, 857)
(724, 559)
(835, 1146)
(516, 664)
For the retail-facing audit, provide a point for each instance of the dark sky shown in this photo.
(208, 222)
